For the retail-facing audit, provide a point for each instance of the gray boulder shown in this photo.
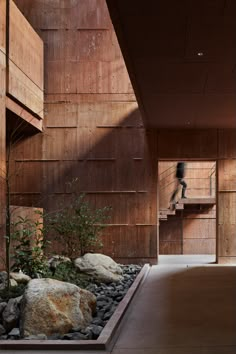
(55, 261)
(11, 314)
(20, 277)
(100, 267)
(50, 306)
(2, 307)
(3, 281)
(2, 330)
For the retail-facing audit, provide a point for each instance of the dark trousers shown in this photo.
(182, 182)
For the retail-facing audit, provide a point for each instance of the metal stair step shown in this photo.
(179, 206)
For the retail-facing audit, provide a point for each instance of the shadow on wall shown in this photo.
(114, 165)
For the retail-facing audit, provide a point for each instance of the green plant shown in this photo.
(29, 244)
(68, 273)
(78, 227)
(13, 292)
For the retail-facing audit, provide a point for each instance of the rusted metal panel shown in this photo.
(104, 114)
(25, 62)
(90, 45)
(23, 113)
(190, 144)
(202, 246)
(227, 143)
(94, 129)
(88, 98)
(69, 14)
(87, 77)
(3, 26)
(130, 241)
(227, 175)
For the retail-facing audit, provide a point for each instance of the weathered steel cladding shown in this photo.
(93, 129)
(25, 62)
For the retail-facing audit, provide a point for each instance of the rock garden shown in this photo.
(69, 296)
(74, 300)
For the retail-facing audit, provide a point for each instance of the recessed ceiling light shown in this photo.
(200, 54)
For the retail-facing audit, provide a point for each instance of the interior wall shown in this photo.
(220, 145)
(227, 197)
(25, 63)
(190, 231)
(93, 131)
(193, 229)
(197, 177)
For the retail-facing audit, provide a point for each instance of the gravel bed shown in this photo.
(108, 298)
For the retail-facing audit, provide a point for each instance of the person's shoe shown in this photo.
(184, 197)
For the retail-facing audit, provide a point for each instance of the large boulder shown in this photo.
(51, 306)
(100, 267)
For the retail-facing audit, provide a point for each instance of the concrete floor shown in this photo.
(183, 307)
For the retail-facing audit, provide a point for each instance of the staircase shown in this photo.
(165, 213)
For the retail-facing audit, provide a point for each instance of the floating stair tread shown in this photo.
(166, 212)
(198, 200)
(179, 206)
(163, 217)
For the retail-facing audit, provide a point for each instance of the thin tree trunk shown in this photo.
(8, 217)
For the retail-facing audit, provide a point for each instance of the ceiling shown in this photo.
(181, 57)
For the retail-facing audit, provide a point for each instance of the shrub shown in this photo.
(29, 244)
(67, 272)
(78, 227)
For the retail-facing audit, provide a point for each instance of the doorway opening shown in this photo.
(187, 228)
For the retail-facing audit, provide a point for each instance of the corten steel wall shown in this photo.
(2, 119)
(192, 230)
(92, 130)
(211, 144)
(25, 63)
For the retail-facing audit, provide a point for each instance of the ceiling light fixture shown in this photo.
(200, 54)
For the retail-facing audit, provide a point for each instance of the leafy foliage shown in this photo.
(68, 273)
(29, 244)
(12, 292)
(78, 227)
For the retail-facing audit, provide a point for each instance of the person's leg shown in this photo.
(184, 184)
(172, 199)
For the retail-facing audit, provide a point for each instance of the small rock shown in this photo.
(54, 262)
(3, 281)
(13, 283)
(40, 336)
(98, 321)
(74, 336)
(14, 333)
(75, 329)
(20, 277)
(2, 330)
(96, 330)
(2, 307)
(55, 336)
(107, 316)
(11, 314)
(3, 337)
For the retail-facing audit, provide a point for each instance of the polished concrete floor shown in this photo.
(185, 306)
